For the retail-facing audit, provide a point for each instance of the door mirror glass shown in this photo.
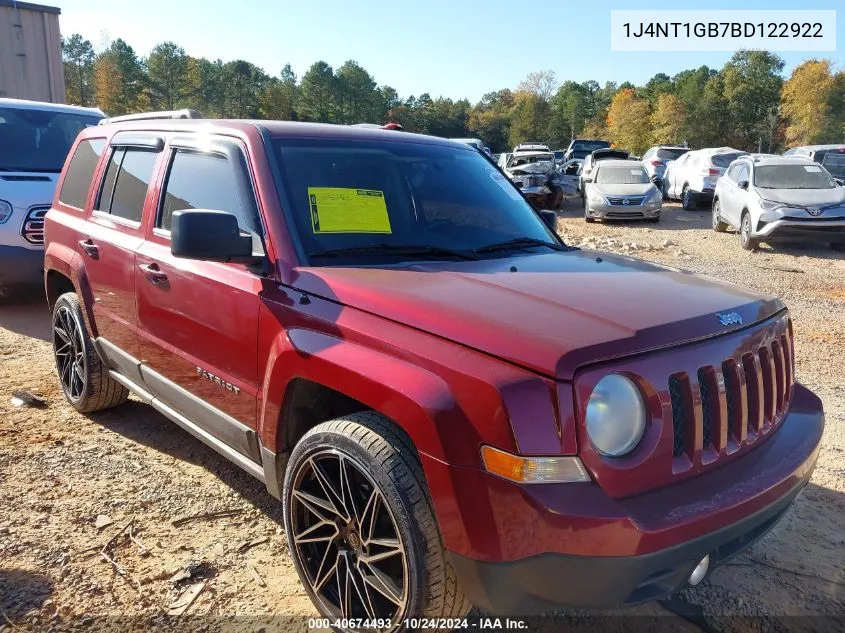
(743, 184)
(209, 235)
(550, 218)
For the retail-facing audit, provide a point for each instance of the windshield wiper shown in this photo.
(395, 249)
(519, 242)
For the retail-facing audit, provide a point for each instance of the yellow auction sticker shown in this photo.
(339, 210)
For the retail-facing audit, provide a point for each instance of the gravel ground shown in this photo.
(63, 476)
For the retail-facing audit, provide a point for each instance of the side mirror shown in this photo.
(209, 235)
(743, 184)
(550, 219)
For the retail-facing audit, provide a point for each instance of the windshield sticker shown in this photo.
(504, 184)
(812, 168)
(337, 210)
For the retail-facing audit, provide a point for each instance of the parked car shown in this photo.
(621, 190)
(531, 146)
(452, 405)
(503, 160)
(655, 159)
(593, 158)
(692, 177)
(534, 173)
(569, 175)
(583, 147)
(34, 140)
(476, 143)
(831, 156)
(776, 198)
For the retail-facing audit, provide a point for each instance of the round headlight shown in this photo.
(615, 416)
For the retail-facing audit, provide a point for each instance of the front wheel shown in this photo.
(746, 241)
(84, 379)
(361, 527)
(718, 225)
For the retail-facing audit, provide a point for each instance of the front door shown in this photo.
(198, 320)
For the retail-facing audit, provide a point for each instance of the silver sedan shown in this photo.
(621, 190)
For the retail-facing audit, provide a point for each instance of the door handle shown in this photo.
(153, 273)
(89, 247)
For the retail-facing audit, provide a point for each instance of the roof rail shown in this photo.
(145, 116)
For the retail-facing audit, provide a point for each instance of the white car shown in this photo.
(476, 143)
(35, 138)
(692, 177)
(531, 146)
(775, 198)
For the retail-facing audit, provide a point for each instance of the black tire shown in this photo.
(589, 220)
(688, 199)
(84, 379)
(654, 220)
(745, 240)
(718, 225)
(839, 247)
(370, 444)
(664, 190)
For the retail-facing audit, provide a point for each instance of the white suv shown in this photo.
(774, 198)
(34, 141)
(692, 177)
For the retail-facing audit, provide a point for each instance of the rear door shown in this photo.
(198, 320)
(107, 243)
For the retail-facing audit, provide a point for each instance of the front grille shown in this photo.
(632, 202)
(32, 229)
(721, 407)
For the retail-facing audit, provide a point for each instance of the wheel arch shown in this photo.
(64, 272)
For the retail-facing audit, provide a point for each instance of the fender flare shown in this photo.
(65, 261)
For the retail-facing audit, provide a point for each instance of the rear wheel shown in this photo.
(361, 527)
(688, 199)
(718, 225)
(746, 241)
(664, 189)
(85, 380)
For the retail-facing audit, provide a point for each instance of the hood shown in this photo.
(23, 189)
(560, 311)
(642, 189)
(805, 197)
(543, 168)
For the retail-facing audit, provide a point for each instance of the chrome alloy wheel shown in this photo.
(345, 538)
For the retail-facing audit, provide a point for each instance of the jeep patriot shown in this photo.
(453, 406)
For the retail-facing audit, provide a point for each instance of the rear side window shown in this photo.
(127, 179)
(202, 181)
(80, 171)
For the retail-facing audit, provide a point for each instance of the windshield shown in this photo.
(835, 164)
(518, 160)
(38, 140)
(723, 160)
(792, 177)
(670, 154)
(388, 195)
(621, 176)
(589, 146)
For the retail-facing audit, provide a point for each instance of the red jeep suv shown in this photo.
(453, 406)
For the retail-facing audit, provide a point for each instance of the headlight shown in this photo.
(593, 196)
(655, 197)
(615, 416)
(5, 211)
(770, 205)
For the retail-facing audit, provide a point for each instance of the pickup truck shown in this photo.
(452, 405)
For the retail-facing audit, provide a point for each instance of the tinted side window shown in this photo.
(202, 181)
(127, 179)
(80, 171)
(741, 172)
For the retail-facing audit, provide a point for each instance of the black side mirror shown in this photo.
(209, 235)
(550, 218)
(743, 184)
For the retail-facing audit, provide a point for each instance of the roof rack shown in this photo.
(164, 114)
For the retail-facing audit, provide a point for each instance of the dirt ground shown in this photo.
(64, 475)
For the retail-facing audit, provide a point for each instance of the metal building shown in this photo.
(30, 52)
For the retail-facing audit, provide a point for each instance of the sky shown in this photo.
(449, 48)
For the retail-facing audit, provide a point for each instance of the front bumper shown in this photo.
(804, 230)
(526, 549)
(622, 212)
(21, 266)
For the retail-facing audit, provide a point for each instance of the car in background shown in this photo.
(534, 174)
(831, 156)
(35, 138)
(692, 177)
(583, 147)
(780, 199)
(502, 161)
(559, 156)
(531, 146)
(594, 157)
(476, 143)
(621, 190)
(655, 159)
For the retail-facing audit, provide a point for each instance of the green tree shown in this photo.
(529, 121)
(570, 111)
(752, 85)
(658, 85)
(120, 80)
(317, 94)
(243, 84)
(167, 69)
(356, 95)
(78, 61)
(204, 86)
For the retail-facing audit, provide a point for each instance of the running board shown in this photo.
(254, 469)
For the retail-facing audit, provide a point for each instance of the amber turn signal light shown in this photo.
(533, 470)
